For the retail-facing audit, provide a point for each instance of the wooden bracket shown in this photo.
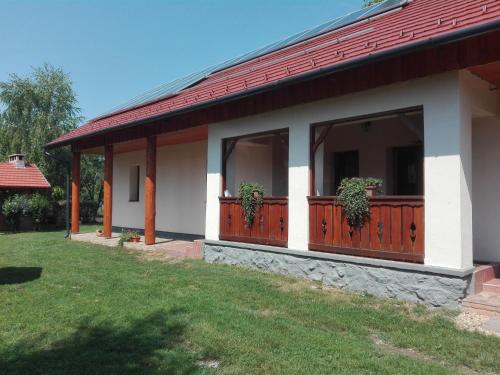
(321, 138)
(230, 149)
(411, 126)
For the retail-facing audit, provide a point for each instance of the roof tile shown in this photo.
(418, 21)
(28, 177)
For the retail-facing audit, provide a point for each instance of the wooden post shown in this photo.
(108, 190)
(150, 193)
(75, 193)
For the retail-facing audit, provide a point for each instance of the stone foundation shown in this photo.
(432, 286)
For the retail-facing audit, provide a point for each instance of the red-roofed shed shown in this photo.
(16, 174)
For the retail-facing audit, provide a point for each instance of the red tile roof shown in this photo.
(419, 21)
(29, 177)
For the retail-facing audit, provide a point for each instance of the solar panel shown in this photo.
(174, 87)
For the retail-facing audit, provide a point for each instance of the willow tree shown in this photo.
(37, 108)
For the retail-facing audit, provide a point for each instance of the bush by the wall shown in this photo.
(38, 206)
(88, 211)
(13, 209)
(58, 193)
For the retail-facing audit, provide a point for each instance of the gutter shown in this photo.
(405, 49)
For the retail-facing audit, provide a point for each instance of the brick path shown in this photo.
(172, 247)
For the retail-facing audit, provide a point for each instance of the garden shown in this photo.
(76, 308)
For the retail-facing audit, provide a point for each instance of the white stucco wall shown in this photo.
(447, 127)
(180, 189)
(241, 166)
(486, 193)
(125, 213)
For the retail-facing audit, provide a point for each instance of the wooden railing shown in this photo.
(394, 229)
(270, 226)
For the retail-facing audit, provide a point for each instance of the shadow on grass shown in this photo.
(153, 345)
(19, 275)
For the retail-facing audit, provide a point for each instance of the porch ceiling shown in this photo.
(488, 72)
(195, 134)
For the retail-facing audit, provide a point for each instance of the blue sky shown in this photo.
(115, 50)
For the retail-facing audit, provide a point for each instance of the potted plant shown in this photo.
(134, 237)
(372, 186)
(353, 194)
(99, 233)
(129, 236)
(251, 196)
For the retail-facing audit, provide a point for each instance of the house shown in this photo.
(406, 91)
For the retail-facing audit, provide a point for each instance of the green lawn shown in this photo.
(73, 308)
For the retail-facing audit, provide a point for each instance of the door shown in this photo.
(345, 164)
(408, 170)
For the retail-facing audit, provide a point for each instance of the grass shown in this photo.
(74, 308)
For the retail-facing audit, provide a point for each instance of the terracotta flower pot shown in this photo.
(135, 239)
(99, 233)
(371, 191)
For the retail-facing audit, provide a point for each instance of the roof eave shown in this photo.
(405, 49)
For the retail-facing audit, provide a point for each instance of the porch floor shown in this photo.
(166, 246)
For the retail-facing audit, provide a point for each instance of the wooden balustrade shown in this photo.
(394, 229)
(270, 226)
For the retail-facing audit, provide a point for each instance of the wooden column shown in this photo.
(108, 190)
(150, 193)
(75, 193)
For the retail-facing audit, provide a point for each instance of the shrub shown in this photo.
(14, 208)
(38, 206)
(58, 193)
(88, 211)
(251, 198)
(352, 195)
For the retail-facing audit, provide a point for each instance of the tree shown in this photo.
(37, 109)
(368, 3)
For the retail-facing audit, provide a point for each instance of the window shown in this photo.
(134, 183)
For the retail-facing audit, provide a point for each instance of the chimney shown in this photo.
(18, 160)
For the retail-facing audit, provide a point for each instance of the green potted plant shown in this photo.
(353, 194)
(373, 186)
(129, 236)
(251, 196)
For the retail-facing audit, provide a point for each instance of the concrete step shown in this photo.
(492, 286)
(485, 303)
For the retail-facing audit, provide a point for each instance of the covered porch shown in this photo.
(421, 138)
(155, 185)
(387, 146)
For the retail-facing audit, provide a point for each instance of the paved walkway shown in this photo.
(164, 246)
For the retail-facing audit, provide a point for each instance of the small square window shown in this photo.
(134, 183)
